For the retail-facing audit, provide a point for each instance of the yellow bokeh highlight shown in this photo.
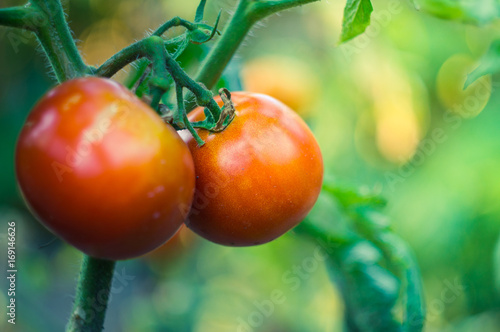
(451, 78)
(399, 108)
(102, 40)
(289, 80)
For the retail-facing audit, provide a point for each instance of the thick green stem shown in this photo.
(246, 15)
(92, 295)
(225, 47)
(18, 17)
(54, 35)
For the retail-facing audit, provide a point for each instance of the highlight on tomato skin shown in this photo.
(100, 169)
(258, 178)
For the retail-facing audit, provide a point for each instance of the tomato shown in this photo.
(101, 170)
(258, 178)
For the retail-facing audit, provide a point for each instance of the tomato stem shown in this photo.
(92, 295)
(182, 113)
(18, 17)
(55, 37)
(164, 66)
(46, 19)
(176, 21)
(246, 15)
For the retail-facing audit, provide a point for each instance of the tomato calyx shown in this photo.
(228, 111)
(227, 115)
(203, 33)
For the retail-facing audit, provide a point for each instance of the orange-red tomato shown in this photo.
(100, 169)
(258, 178)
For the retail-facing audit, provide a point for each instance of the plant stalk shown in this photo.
(18, 17)
(246, 15)
(92, 295)
(219, 56)
(55, 37)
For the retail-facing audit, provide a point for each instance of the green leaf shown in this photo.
(370, 291)
(199, 11)
(496, 265)
(490, 64)
(406, 268)
(356, 18)
(478, 12)
(372, 267)
(350, 197)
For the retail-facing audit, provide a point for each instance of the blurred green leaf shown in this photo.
(373, 268)
(349, 197)
(199, 11)
(496, 265)
(356, 18)
(490, 64)
(478, 12)
(369, 291)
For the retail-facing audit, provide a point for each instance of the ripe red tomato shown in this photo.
(100, 169)
(258, 178)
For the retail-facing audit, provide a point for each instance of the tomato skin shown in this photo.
(101, 170)
(258, 178)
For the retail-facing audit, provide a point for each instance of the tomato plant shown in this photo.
(101, 170)
(258, 178)
(106, 171)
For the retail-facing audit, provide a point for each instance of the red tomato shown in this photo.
(258, 178)
(100, 169)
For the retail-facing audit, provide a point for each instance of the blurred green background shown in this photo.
(391, 117)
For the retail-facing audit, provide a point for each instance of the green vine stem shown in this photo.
(18, 17)
(176, 21)
(46, 19)
(246, 15)
(92, 295)
(55, 37)
(153, 48)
